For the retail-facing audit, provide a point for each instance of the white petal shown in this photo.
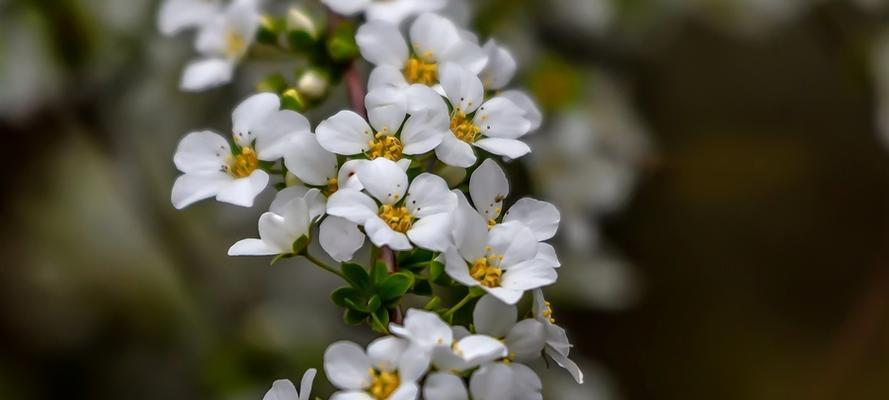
(488, 188)
(523, 101)
(282, 389)
(340, 238)
(528, 275)
(274, 136)
(526, 340)
(527, 383)
(445, 360)
(422, 132)
(492, 382)
(352, 205)
(381, 43)
(501, 118)
(346, 365)
(429, 195)
(385, 352)
(547, 254)
(344, 133)
(468, 54)
(242, 191)
(203, 151)
(493, 317)
(386, 109)
(444, 386)
(514, 241)
(352, 395)
(423, 99)
(424, 329)
(305, 385)
(405, 391)
(310, 162)
(386, 76)
(251, 114)
(211, 38)
(506, 295)
(470, 231)
(501, 66)
(252, 247)
(568, 364)
(509, 148)
(457, 269)
(413, 364)
(463, 88)
(206, 74)
(383, 179)
(394, 11)
(432, 232)
(432, 35)
(455, 152)
(177, 15)
(242, 18)
(347, 7)
(480, 349)
(542, 217)
(276, 232)
(382, 235)
(190, 188)
(296, 214)
(347, 178)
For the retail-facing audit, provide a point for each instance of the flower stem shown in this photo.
(323, 266)
(469, 296)
(387, 256)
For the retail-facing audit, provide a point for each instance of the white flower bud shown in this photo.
(313, 83)
(299, 20)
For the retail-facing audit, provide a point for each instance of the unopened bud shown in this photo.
(291, 99)
(313, 83)
(299, 20)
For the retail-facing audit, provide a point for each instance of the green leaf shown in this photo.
(395, 286)
(416, 259)
(339, 296)
(353, 317)
(356, 305)
(299, 245)
(436, 271)
(379, 272)
(422, 288)
(374, 303)
(341, 46)
(357, 276)
(379, 320)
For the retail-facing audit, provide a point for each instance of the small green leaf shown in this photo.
(341, 46)
(299, 245)
(379, 320)
(353, 317)
(379, 272)
(422, 288)
(374, 303)
(340, 295)
(395, 286)
(356, 305)
(357, 276)
(436, 271)
(416, 259)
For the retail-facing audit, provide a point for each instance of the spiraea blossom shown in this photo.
(432, 41)
(224, 36)
(437, 102)
(391, 11)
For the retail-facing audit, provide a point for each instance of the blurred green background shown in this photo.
(720, 165)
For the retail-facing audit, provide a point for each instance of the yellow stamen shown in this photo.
(398, 218)
(235, 44)
(331, 188)
(419, 71)
(491, 223)
(463, 128)
(384, 384)
(486, 272)
(243, 164)
(384, 145)
(548, 312)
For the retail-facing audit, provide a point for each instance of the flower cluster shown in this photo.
(389, 174)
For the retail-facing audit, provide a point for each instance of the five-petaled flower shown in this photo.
(389, 369)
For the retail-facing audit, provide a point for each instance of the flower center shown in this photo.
(244, 163)
(398, 218)
(331, 188)
(486, 270)
(387, 146)
(383, 384)
(548, 312)
(235, 44)
(419, 71)
(463, 128)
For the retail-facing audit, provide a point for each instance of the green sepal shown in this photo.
(299, 245)
(395, 286)
(436, 273)
(357, 277)
(293, 100)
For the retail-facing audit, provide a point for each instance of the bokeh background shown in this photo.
(721, 166)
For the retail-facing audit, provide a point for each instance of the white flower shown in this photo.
(288, 219)
(488, 188)
(389, 369)
(391, 11)
(498, 381)
(450, 351)
(388, 216)
(494, 125)
(175, 16)
(500, 69)
(434, 40)
(212, 168)
(524, 339)
(283, 389)
(501, 261)
(392, 133)
(557, 344)
(222, 41)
